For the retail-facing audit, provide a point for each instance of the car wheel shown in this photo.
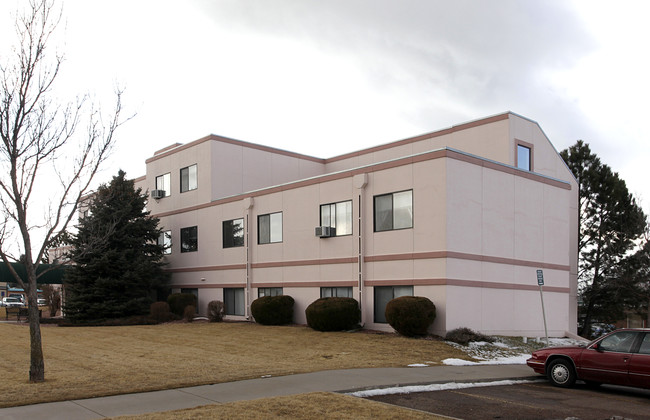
(560, 373)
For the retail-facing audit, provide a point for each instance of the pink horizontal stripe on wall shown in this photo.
(207, 268)
(337, 283)
(464, 256)
(395, 282)
(347, 260)
(379, 258)
(341, 283)
(463, 283)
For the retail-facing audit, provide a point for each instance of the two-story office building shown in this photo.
(464, 216)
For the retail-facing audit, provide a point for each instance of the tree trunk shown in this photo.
(37, 363)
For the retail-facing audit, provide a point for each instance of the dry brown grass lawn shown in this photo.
(84, 362)
(316, 405)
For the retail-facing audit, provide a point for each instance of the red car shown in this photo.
(621, 357)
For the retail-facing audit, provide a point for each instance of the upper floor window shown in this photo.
(233, 233)
(163, 183)
(189, 239)
(338, 216)
(189, 179)
(165, 240)
(269, 228)
(524, 157)
(394, 211)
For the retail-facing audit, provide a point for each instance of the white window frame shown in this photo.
(341, 220)
(394, 211)
(192, 178)
(163, 183)
(274, 228)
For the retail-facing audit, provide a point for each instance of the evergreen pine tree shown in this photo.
(611, 226)
(117, 259)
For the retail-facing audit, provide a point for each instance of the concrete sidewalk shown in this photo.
(331, 380)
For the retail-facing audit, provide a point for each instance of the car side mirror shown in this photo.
(597, 347)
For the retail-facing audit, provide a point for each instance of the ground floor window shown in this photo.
(336, 292)
(269, 291)
(384, 294)
(233, 300)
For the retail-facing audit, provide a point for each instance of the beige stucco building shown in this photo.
(464, 216)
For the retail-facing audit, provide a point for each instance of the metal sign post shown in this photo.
(540, 282)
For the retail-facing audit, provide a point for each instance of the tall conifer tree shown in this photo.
(611, 225)
(117, 259)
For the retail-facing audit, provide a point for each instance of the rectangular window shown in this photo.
(189, 180)
(233, 233)
(269, 228)
(394, 211)
(189, 239)
(384, 294)
(165, 239)
(233, 301)
(336, 292)
(163, 183)
(269, 291)
(338, 216)
(523, 157)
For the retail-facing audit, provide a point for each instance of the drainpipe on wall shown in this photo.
(248, 205)
(360, 181)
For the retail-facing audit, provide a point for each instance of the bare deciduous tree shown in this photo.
(48, 160)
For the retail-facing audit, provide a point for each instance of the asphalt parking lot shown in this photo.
(530, 401)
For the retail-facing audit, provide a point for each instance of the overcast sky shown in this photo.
(326, 77)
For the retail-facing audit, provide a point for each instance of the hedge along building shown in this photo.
(464, 216)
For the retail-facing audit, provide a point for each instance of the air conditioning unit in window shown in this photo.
(157, 194)
(325, 231)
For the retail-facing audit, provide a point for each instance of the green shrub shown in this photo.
(159, 312)
(333, 314)
(464, 336)
(179, 301)
(411, 315)
(189, 312)
(273, 310)
(215, 311)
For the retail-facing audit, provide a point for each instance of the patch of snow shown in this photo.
(510, 360)
(432, 387)
(418, 365)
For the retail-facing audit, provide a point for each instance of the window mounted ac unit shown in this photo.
(325, 231)
(157, 194)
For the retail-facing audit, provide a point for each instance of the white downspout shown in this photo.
(248, 205)
(360, 181)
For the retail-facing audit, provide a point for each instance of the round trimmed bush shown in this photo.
(215, 311)
(189, 312)
(411, 315)
(333, 314)
(159, 312)
(179, 301)
(273, 310)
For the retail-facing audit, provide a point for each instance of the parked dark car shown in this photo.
(621, 357)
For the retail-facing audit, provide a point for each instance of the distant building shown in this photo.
(464, 216)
